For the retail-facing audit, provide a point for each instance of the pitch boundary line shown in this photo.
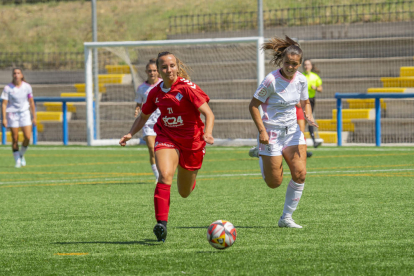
(200, 177)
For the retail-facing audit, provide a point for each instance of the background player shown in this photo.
(314, 84)
(279, 134)
(17, 100)
(180, 142)
(140, 98)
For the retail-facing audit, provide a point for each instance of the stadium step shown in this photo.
(398, 82)
(118, 69)
(80, 87)
(356, 113)
(330, 125)
(407, 72)
(364, 103)
(9, 139)
(49, 116)
(58, 107)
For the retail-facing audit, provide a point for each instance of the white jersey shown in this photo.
(141, 97)
(17, 97)
(279, 96)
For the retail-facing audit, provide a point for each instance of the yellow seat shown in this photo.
(407, 72)
(329, 137)
(72, 94)
(111, 78)
(364, 103)
(58, 107)
(118, 69)
(330, 125)
(386, 90)
(40, 127)
(9, 139)
(80, 87)
(49, 116)
(398, 82)
(355, 114)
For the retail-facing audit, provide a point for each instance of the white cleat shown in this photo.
(288, 222)
(254, 152)
(23, 162)
(18, 163)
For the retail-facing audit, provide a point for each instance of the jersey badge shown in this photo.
(179, 97)
(262, 92)
(156, 100)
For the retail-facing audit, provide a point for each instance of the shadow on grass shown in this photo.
(210, 252)
(142, 242)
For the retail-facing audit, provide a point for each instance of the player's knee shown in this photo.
(274, 183)
(184, 194)
(299, 176)
(165, 177)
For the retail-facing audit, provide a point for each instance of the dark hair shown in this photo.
(314, 68)
(21, 71)
(150, 62)
(282, 48)
(182, 68)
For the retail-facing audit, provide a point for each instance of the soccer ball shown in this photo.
(221, 234)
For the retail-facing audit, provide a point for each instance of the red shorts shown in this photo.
(299, 113)
(189, 159)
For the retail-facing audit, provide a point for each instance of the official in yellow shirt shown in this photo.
(314, 84)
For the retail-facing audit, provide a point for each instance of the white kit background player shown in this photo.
(140, 98)
(17, 99)
(279, 134)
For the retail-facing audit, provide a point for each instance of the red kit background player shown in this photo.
(181, 135)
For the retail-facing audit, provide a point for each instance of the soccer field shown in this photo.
(81, 210)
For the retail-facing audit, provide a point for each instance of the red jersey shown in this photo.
(180, 119)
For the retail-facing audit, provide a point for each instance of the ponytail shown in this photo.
(282, 48)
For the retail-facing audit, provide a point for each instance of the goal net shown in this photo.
(228, 70)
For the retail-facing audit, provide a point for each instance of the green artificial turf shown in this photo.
(356, 209)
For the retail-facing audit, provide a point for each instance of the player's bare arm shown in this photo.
(209, 124)
(3, 111)
(138, 124)
(33, 111)
(255, 113)
(137, 109)
(307, 112)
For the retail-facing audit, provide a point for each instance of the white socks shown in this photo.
(293, 195)
(22, 150)
(155, 171)
(16, 155)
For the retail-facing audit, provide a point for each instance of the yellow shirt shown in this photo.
(313, 80)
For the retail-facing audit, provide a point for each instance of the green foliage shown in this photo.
(356, 211)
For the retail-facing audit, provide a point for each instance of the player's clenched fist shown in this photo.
(124, 139)
(208, 138)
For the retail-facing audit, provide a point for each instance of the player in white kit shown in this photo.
(17, 104)
(140, 98)
(279, 134)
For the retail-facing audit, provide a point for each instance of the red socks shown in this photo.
(193, 186)
(162, 201)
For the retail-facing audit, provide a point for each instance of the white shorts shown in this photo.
(18, 119)
(281, 138)
(148, 130)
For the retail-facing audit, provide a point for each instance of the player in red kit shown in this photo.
(181, 135)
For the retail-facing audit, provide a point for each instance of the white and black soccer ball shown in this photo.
(221, 234)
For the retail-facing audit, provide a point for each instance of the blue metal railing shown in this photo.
(377, 97)
(65, 127)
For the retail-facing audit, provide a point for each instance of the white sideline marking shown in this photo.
(203, 176)
(210, 148)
